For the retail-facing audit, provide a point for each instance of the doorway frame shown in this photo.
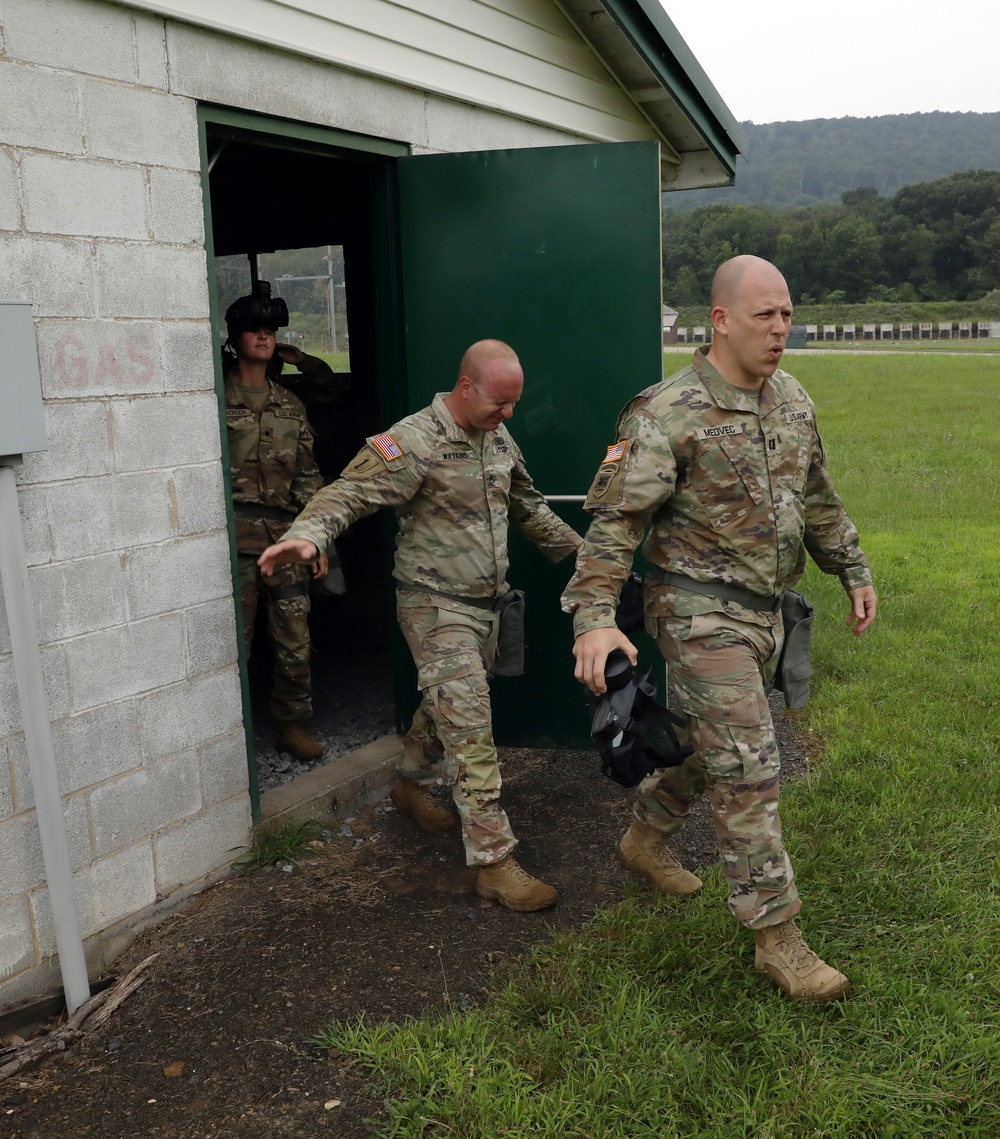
(291, 134)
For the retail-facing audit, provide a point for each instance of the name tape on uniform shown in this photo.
(721, 430)
(387, 446)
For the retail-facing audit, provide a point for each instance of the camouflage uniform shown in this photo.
(453, 492)
(273, 470)
(737, 492)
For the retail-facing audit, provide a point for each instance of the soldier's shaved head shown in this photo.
(731, 277)
(480, 355)
(489, 383)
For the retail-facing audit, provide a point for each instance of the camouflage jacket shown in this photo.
(453, 492)
(736, 491)
(271, 463)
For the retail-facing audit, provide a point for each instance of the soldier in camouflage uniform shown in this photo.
(273, 476)
(455, 477)
(724, 461)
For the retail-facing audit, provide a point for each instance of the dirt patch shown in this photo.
(382, 922)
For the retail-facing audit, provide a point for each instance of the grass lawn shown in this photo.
(651, 1023)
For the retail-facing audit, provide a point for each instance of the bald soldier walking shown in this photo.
(454, 476)
(724, 460)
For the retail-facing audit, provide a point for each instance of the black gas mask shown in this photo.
(258, 310)
(635, 733)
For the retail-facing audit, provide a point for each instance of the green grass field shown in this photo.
(650, 1023)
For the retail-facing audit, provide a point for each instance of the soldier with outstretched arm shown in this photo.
(724, 463)
(455, 477)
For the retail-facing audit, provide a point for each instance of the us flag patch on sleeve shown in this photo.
(615, 451)
(387, 446)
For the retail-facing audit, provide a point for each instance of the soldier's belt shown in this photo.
(477, 602)
(259, 510)
(754, 601)
(287, 592)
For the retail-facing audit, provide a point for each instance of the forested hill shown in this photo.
(805, 162)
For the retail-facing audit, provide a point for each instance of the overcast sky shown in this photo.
(776, 62)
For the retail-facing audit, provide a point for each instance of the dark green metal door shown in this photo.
(556, 251)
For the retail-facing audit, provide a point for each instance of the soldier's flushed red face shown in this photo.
(752, 330)
(490, 399)
(257, 345)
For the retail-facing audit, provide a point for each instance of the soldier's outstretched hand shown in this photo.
(591, 651)
(284, 553)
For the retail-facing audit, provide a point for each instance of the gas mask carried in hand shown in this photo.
(635, 733)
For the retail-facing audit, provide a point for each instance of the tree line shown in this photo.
(800, 163)
(930, 241)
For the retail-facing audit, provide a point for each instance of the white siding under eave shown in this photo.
(522, 57)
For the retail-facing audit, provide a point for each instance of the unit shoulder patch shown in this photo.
(365, 464)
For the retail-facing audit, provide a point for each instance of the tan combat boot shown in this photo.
(644, 851)
(417, 801)
(291, 736)
(783, 955)
(514, 887)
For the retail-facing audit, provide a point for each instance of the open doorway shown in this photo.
(302, 216)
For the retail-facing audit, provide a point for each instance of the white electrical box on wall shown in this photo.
(22, 424)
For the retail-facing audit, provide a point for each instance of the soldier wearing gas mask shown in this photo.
(274, 474)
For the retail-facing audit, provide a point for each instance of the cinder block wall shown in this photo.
(101, 227)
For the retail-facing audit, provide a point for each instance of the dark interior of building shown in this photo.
(271, 194)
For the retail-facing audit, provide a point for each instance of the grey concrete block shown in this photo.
(56, 676)
(211, 636)
(157, 281)
(17, 752)
(97, 745)
(17, 946)
(176, 207)
(39, 108)
(144, 801)
(53, 273)
(224, 768)
(186, 715)
(10, 193)
(21, 848)
(83, 358)
(140, 126)
(78, 596)
(6, 782)
(150, 50)
(79, 444)
(114, 664)
(162, 431)
(175, 575)
(204, 844)
(79, 197)
(107, 891)
(33, 507)
(93, 38)
(10, 708)
(200, 495)
(115, 512)
(187, 356)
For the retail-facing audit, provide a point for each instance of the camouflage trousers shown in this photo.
(451, 738)
(718, 667)
(287, 630)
